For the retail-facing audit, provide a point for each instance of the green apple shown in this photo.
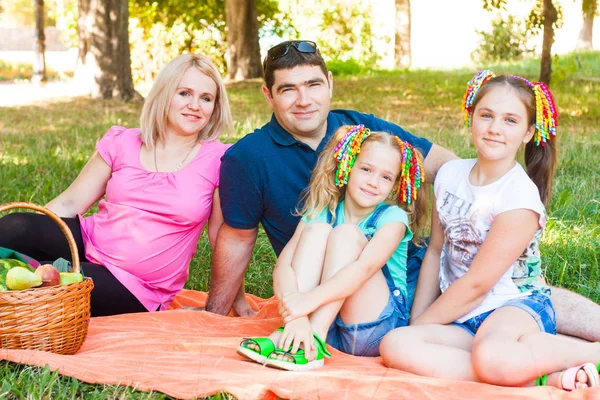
(67, 278)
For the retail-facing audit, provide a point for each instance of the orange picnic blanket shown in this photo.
(188, 354)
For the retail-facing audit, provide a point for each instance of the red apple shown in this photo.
(49, 274)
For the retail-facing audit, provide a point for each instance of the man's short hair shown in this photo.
(293, 58)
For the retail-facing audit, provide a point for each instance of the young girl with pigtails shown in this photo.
(342, 276)
(482, 311)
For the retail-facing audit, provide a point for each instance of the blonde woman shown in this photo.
(160, 187)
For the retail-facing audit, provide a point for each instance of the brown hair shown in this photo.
(323, 193)
(540, 161)
(292, 59)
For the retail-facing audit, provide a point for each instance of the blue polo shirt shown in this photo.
(264, 173)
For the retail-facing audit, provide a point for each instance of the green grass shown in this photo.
(43, 147)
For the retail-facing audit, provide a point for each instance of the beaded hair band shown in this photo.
(546, 114)
(412, 174)
(472, 88)
(347, 150)
(411, 170)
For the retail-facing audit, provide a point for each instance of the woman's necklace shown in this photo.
(180, 164)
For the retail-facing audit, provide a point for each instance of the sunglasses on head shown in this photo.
(303, 46)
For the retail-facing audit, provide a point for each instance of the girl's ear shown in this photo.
(529, 134)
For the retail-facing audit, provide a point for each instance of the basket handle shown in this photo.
(63, 227)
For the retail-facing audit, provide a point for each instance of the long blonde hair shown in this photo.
(153, 120)
(322, 191)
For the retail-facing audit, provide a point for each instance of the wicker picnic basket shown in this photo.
(52, 318)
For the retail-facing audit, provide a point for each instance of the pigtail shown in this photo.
(419, 209)
(540, 162)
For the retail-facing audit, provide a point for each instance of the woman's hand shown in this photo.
(296, 334)
(295, 305)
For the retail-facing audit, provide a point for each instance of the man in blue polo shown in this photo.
(263, 175)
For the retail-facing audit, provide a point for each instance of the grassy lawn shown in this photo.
(43, 147)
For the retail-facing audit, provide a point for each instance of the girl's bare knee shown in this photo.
(394, 347)
(348, 235)
(321, 229)
(490, 363)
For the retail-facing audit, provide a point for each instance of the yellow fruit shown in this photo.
(19, 278)
(70, 277)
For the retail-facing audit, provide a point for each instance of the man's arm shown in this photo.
(436, 157)
(576, 315)
(229, 263)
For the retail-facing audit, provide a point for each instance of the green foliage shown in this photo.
(163, 29)
(344, 29)
(589, 7)
(507, 41)
(535, 20)
(22, 11)
(349, 67)
(346, 32)
(489, 5)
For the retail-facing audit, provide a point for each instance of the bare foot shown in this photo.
(241, 308)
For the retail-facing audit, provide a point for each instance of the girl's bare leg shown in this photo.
(510, 350)
(439, 351)
(309, 258)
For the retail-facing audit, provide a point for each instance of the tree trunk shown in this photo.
(550, 16)
(104, 61)
(584, 42)
(39, 61)
(243, 51)
(402, 53)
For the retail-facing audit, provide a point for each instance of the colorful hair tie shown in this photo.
(473, 87)
(411, 171)
(412, 174)
(347, 150)
(546, 114)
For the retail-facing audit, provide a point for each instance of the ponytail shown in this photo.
(540, 162)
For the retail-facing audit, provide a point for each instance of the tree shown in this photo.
(243, 51)
(588, 10)
(543, 15)
(39, 60)
(104, 61)
(402, 52)
(550, 16)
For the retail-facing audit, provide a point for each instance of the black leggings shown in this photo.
(37, 236)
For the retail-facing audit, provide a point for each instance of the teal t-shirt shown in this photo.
(397, 262)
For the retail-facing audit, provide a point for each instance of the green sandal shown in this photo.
(297, 361)
(265, 348)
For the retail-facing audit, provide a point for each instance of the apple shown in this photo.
(49, 274)
(66, 278)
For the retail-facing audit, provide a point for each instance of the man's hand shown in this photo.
(232, 254)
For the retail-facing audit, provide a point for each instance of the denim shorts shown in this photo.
(537, 305)
(363, 339)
